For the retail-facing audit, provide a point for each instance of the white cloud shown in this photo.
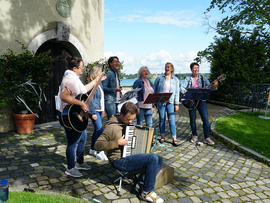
(156, 61)
(184, 18)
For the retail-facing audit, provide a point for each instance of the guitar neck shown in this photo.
(210, 85)
(87, 102)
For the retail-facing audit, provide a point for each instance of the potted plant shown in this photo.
(23, 77)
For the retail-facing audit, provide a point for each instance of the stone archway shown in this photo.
(48, 41)
(51, 34)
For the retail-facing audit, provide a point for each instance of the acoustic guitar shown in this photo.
(73, 117)
(191, 104)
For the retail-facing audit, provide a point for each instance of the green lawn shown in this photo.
(29, 197)
(247, 129)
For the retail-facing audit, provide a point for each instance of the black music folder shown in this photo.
(196, 94)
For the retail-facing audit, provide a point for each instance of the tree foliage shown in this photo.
(242, 59)
(242, 51)
(246, 16)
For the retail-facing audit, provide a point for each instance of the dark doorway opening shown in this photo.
(59, 50)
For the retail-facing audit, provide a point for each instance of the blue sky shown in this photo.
(153, 32)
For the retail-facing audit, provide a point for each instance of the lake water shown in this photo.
(131, 81)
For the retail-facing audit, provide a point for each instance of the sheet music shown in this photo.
(133, 100)
(129, 94)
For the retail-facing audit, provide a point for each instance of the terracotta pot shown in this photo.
(24, 122)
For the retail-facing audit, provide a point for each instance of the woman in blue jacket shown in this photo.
(168, 83)
(196, 80)
(96, 112)
(146, 88)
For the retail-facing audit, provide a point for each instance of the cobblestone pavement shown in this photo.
(203, 174)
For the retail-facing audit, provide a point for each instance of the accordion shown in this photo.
(139, 140)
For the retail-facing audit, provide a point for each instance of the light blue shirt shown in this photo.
(174, 87)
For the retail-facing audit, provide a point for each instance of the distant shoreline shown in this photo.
(131, 81)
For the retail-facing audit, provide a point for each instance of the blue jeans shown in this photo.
(110, 108)
(151, 163)
(147, 114)
(202, 108)
(171, 118)
(76, 145)
(98, 129)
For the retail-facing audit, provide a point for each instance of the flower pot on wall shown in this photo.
(24, 122)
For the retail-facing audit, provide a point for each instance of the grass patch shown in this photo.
(248, 130)
(30, 197)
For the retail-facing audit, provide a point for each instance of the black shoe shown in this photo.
(175, 144)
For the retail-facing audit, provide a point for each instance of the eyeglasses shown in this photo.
(80, 67)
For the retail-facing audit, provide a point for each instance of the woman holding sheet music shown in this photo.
(167, 82)
(145, 110)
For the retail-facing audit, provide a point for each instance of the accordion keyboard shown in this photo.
(139, 140)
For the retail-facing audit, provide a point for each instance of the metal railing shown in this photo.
(252, 95)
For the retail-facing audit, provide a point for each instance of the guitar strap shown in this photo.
(202, 81)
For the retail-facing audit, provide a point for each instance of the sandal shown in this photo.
(151, 197)
(162, 139)
(174, 143)
(139, 186)
(154, 139)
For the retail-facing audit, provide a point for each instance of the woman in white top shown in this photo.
(70, 87)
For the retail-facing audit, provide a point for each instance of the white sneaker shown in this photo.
(92, 152)
(151, 197)
(101, 156)
(104, 155)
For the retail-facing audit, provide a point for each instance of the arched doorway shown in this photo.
(59, 50)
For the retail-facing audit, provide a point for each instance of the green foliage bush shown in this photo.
(23, 78)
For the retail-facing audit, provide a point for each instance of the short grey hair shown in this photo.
(141, 69)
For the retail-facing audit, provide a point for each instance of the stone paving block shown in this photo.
(253, 197)
(111, 196)
(172, 201)
(42, 183)
(235, 199)
(208, 190)
(223, 195)
(181, 194)
(248, 190)
(205, 198)
(261, 195)
(232, 193)
(55, 180)
(218, 189)
(184, 200)
(264, 187)
(197, 174)
(196, 199)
